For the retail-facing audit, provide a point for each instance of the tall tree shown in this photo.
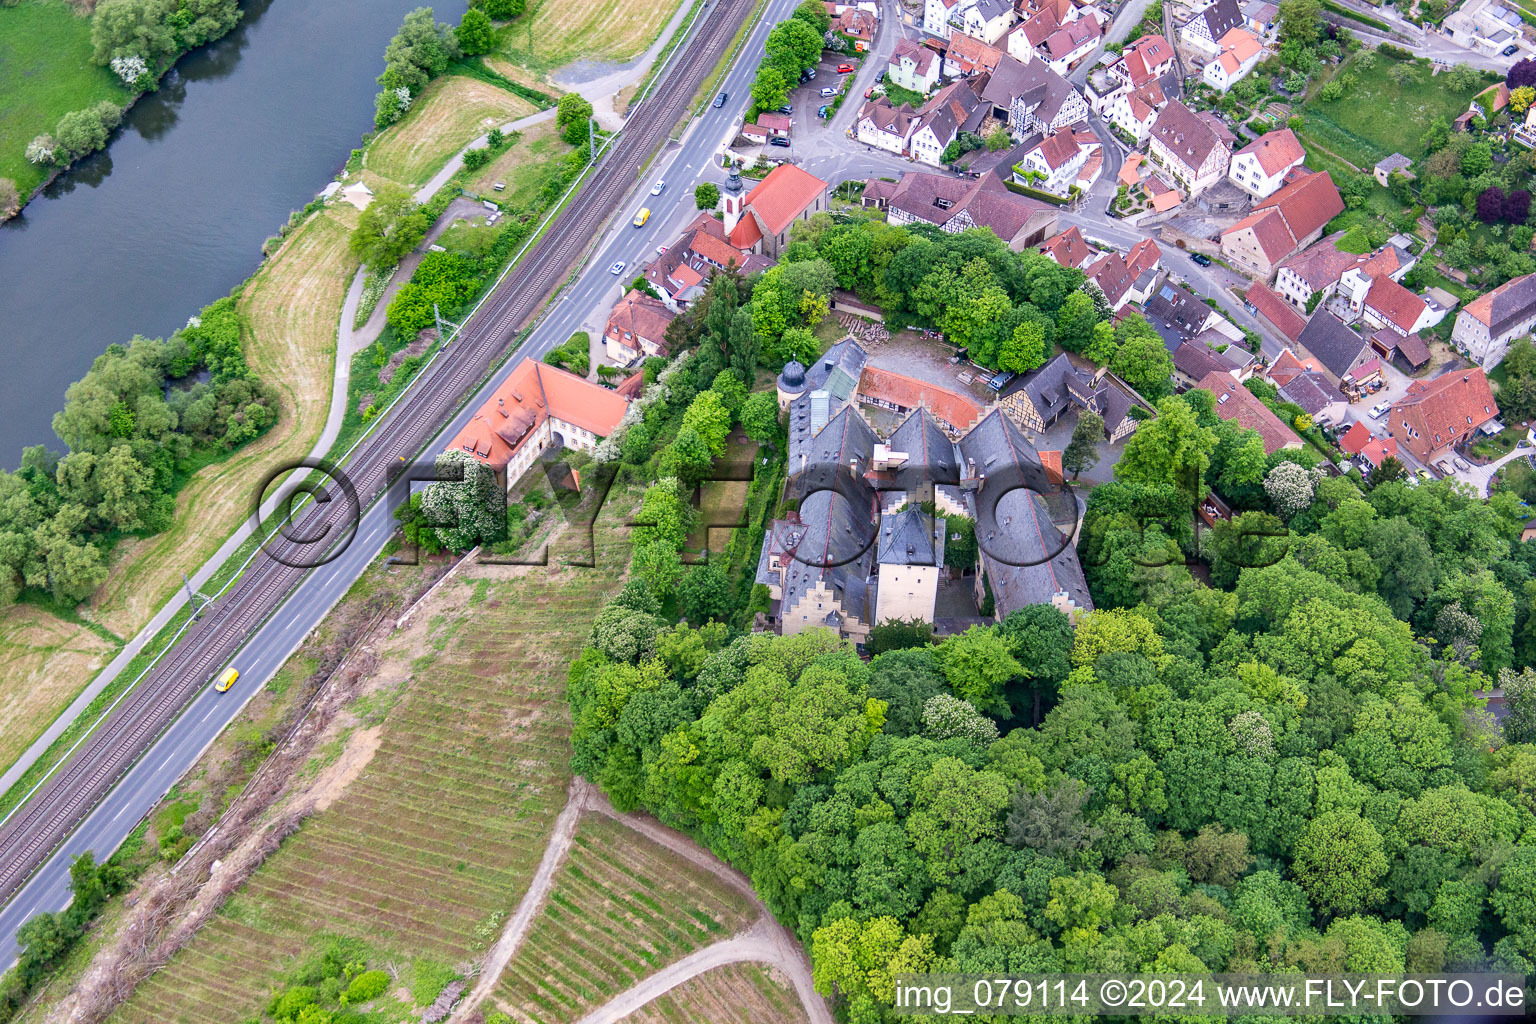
(1082, 452)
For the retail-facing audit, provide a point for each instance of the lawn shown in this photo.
(45, 72)
(621, 908)
(530, 162)
(44, 661)
(426, 852)
(291, 307)
(556, 32)
(1378, 117)
(743, 993)
(450, 113)
(724, 501)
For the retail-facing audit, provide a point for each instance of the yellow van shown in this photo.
(643, 216)
(227, 679)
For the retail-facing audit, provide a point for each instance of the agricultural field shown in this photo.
(447, 806)
(1379, 117)
(621, 907)
(291, 308)
(529, 163)
(44, 662)
(743, 993)
(45, 72)
(554, 33)
(450, 112)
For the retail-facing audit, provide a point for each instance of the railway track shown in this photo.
(68, 797)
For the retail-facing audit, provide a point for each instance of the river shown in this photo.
(172, 214)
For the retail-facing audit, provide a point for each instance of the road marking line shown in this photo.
(211, 709)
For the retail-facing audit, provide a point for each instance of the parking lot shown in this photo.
(807, 99)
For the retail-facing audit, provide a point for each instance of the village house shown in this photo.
(636, 328)
(1069, 248)
(955, 204)
(1240, 53)
(538, 407)
(1276, 311)
(1038, 400)
(770, 125)
(1194, 361)
(1290, 219)
(1178, 314)
(956, 108)
(1432, 420)
(966, 56)
(1052, 162)
(1069, 44)
(1236, 403)
(886, 127)
(1394, 164)
(1262, 18)
(1193, 147)
(1033, 98)
(1128, 278)
(1486, 325)
(1260, 167)
(1317, 396)
(913, 66)
(1211, 23)
(987, 20)
(1388, 305)
(1340, 351)
(760, 221)
(1319, 270)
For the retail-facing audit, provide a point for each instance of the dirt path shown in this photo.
(758, 944)
(766, 941)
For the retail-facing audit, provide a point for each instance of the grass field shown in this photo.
(44, 661)
(45, 72)
(1378, 117)
(736, 994)
(425, 854)
(526, 166)
(621, 908)
(292, 307)
(724, 501)
(555, 32)
(449, 113)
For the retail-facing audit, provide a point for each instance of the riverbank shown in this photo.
(48, 69)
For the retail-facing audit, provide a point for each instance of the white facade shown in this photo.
(1218, 77)
(926, 146)
(1248, 174)
(872, 135)
(988, 29)
(906, 592)
(912, 73)
(936, 15)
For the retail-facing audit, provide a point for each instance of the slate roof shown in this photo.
(1017, 528)
(1220, 17)
(1334, 345)
(1042, 89)
(930, 453)
(1178, 307)
(1312, 391)
(1235, 402)
(909, 538)
(1506, 305)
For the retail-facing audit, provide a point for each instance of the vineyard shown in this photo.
(425, 854)
(736, 994)
(621, 908)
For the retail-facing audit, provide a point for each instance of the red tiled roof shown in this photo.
(1069, 248)
(1355, 438)
(1275, 151)
(746, 233)
(783, 196)
(970, 54)
(1445, 411)
(910, 393)
(1286, 367)
(531, 394)
(641, 316)
(1379, 449)
(1276, 310)
(1058, 148)
(1237, 403)
(1394, 303)
(1308, 204)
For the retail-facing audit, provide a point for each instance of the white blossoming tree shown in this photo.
(1290, 488)
(41, 150)
(130, 69)
(946, 717)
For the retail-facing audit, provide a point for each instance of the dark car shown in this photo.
(880, 77)
(720, 100)
(778, 140)
(786, 109)
(1200, 258)
(1510, 50)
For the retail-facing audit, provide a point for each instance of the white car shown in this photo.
(1461, 464)
(1380, 409)
(656, 188)
(617, 268)
(661, 250)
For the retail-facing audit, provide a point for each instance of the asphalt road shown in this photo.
(594, 291)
